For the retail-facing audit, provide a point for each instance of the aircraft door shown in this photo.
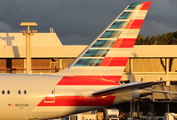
(49, 92)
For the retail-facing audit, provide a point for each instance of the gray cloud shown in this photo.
(81, 21)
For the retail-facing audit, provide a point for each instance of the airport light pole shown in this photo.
(28, 34)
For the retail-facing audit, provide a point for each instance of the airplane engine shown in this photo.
(144, 93)
(140, 93)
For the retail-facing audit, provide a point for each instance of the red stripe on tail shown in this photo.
(136, 24)
(117, 43)
(146, 5)
(118, 61)
(105, 61)
(114, 61)
(127, 43)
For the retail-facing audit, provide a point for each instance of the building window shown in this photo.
(127, 67)
(148, 65)
(173, 65)
(65, 62)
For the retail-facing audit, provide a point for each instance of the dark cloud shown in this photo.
(81, 21)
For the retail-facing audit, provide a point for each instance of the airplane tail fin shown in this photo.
(106, 57)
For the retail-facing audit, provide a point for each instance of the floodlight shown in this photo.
(28, 34)
(28, 24)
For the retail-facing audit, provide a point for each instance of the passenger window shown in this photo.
(8, 92)
(3, 92)
(24, 91)
(19, 92)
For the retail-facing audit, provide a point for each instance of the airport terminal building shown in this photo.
(146, 63)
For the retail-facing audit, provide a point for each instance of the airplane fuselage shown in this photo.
(39, 97)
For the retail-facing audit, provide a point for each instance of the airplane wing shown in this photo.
(134, 85)
(160, 91)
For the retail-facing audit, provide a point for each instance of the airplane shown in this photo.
(90, 82)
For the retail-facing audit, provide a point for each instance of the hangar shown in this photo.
(146, 62)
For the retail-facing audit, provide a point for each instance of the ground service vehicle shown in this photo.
(112, 114)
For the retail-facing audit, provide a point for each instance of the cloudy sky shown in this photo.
(81, 21)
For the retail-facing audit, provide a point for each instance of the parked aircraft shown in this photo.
(92, 81)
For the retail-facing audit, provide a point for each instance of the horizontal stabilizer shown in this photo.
(138, 85)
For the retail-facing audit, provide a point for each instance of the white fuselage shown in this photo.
(39, 97)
